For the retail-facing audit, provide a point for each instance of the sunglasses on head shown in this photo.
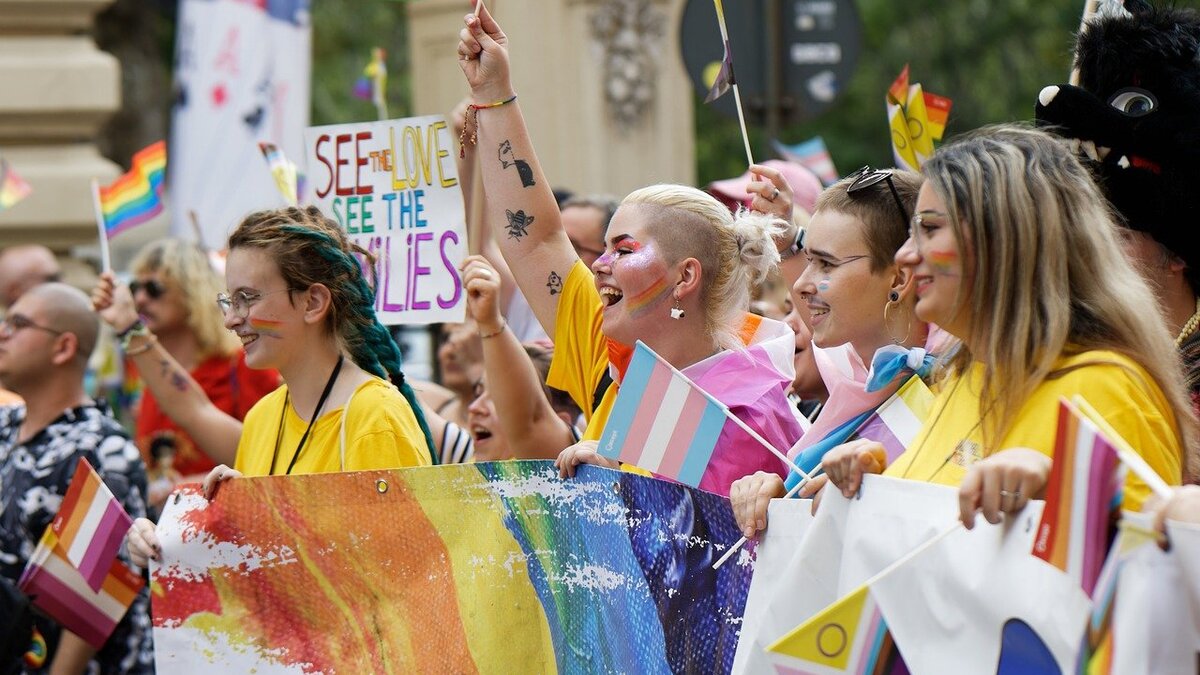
(153, 288)
(866, 177)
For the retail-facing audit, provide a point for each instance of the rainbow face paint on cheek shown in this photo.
(942, 262)
(649, 298)
(266, 327)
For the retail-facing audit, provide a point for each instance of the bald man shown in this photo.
(45, 341)
(23, 267)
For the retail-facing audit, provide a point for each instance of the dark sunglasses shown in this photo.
(866, 177)
(153, 288)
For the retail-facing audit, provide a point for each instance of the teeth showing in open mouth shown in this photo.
(610, 295)
(247, 339)
(1089, 149)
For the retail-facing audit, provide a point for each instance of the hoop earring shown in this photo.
(676, 311)
(894, 301)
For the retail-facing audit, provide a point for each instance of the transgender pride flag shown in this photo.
(661, 421)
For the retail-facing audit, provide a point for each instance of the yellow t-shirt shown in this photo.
(580, 350)
(1117, 387)
(381, 433)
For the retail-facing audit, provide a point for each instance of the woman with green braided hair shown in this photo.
(300, 304)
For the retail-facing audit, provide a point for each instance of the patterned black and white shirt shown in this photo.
(34, 476)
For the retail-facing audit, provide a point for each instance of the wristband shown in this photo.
(138, 328)
(797, 245)
(503, 325)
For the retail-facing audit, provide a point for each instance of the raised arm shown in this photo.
(179, 396)
(519, 205)
(533, 429)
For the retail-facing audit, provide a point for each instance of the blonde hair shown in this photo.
(736, 252)
(186, 265)
(1050, 275)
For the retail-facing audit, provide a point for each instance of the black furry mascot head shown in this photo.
(1136, 115)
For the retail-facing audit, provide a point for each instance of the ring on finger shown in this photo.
(774, 194)
(1015, 494)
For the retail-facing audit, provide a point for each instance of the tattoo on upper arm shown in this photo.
(523, 169)
(554, 283)
(518, 223)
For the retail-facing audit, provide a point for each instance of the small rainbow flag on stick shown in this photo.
(133, 198)
(282, 170)
(13, 188)
(372, 86)
(74, 575)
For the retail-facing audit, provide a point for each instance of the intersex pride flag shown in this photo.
(661, 421)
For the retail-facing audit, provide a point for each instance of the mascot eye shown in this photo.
(1134, 102)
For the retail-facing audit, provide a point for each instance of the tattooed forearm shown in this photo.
(518, 223)
(554, 283)
(523, 168)
(173, 375)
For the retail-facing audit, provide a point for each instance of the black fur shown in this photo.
(1157, 186)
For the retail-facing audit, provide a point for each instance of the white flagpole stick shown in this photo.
(105, 260)
(195, 221)
(1125, 451)
(478, 4)
(1089, 8)
(741, 542)
(737, 96)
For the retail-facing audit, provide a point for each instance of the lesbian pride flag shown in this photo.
(90, 525)
(1085, 487)
(661, 421)
(136, 196)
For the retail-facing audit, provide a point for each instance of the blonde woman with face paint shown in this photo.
(1014, 252)
(676, 273)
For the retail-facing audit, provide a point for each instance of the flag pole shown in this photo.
(741, 542)
(737, 95)
(105, 259)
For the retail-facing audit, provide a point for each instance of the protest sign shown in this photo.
(491, 567)
(393, 186)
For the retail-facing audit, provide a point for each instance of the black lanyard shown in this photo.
(317, 413)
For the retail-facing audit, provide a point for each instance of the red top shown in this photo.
(232, 391)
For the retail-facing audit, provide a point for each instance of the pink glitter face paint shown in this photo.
(266, 327)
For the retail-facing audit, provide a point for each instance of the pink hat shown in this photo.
(805, 185)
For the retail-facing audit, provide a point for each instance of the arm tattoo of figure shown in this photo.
(518, 223)
(523, 168)
(554, 283)
(177, 380)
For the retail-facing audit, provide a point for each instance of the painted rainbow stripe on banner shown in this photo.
(136, 196)
(491, 567)
(662, 422)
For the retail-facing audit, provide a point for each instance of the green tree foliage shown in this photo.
(991, 58)
(343, 35)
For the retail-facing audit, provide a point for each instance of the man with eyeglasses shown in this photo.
(23, 267)
(45, 341)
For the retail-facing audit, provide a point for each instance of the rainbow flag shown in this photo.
(282, 170)
(372, 86)
(661, 421)
(849, 636)
(90, 525)
(13, 188)
(136, 196)
(57, 588)
(812, 155)
(896, 422)
(1085, 488)
(917, 119)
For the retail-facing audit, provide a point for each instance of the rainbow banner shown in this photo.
(459, 568)
(1084, 489)
(136, 196)
(13, 188)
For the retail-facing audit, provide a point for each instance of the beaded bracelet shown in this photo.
(472, 119)
(136, 329)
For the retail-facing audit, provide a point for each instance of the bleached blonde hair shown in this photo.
(186, 265)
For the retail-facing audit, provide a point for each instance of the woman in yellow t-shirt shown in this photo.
(300, 304)
(1014, 252)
